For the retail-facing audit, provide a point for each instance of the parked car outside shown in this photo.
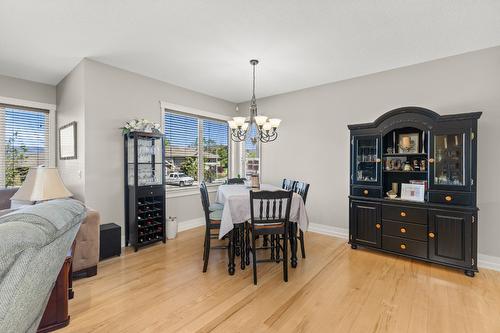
(179, 179)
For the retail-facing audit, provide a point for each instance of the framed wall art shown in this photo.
(67, 141)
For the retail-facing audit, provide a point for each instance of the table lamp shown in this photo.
(42, 184)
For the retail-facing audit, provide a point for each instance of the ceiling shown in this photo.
(205, 45)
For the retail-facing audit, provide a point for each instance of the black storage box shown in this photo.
(110, 241)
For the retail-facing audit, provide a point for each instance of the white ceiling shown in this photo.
(206, 45)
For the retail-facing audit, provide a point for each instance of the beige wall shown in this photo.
(71, 107)
(314, 140)
(27, 90)
(113, 96)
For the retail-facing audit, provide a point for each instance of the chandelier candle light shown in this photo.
(267, 128)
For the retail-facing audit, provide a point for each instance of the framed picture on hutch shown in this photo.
(413, 192)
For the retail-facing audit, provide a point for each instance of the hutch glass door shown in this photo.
(147, 151)
(449, 165)
(366, 160)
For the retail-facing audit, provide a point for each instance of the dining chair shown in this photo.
(212, 222)
(236, 181)
(302, 189)
(212, 206)
(288, 184)
(270, 215)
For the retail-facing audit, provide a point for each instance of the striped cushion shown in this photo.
(216, 206)
(216, 215)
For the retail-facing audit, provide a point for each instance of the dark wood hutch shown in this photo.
(418, 146)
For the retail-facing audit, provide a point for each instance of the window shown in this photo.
(24, 143)
(196, 149)
(251, 154)
(215, 151)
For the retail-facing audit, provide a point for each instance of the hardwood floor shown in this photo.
(336, 289)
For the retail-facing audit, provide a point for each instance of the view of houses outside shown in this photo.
(182, 149)
(24, 136)
(252, 155)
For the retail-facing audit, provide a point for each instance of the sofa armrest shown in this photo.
(86, 253)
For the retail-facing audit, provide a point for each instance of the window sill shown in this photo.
(189, 191)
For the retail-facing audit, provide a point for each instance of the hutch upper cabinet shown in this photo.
(435, 220)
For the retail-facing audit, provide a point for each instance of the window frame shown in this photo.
(200, 116)
(51, 109)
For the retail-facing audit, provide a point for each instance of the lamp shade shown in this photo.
(42, 184)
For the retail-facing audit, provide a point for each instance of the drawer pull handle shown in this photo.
(403, 214)
(431, 235)
(448, 198)
(365, 192)
(403, 230)
(402, 246)
(377, 225)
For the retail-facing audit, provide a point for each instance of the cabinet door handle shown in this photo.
(403, 230)
(402, 246)
(377, 226)
(448, 198)
(431, 235)
(365, 192)
(403, 214)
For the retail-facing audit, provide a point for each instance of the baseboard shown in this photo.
(328, 230)
(489, 262)
(483, 260)
(190, 224)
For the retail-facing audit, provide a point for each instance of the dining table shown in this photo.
(236, 212)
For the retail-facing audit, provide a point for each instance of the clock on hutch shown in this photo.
(413, 186)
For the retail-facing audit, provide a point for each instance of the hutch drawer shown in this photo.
(371, 192)
(405, 246)
(404, 230)
(404, 214)
(452, 198)
(151, 191)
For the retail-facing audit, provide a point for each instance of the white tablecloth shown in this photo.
(236, 200)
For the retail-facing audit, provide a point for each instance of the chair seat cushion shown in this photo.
(216, 206)
(216, 215)
(268, 226)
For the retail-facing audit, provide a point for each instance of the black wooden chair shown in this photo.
(212, 206)
(288, 184)
(270, 214)
(212, 222)
(235, 181)
(302, 189)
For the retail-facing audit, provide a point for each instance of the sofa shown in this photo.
(86, 255)
(34, 242)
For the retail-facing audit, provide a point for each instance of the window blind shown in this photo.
(252, 155)
(215, 151)
(24, 143)
(181, 144)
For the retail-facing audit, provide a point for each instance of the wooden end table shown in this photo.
(56, 314)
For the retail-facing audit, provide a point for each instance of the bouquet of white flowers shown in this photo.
(140, 125)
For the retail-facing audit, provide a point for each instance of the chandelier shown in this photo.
(267, 129)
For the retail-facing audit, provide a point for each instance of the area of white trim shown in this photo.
(483, 260)
(190, 224)
(328, 230)
(488, 262)
(27, 103)
(187, 191)
(192, 111)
